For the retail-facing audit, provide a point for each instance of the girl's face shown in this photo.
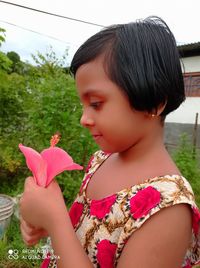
(112, 122)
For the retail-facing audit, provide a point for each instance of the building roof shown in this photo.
(189, 50)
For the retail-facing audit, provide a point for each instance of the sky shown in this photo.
(182, 16)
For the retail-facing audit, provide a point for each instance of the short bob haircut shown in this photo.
(142, 59)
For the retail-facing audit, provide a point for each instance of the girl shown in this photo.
(134, 208)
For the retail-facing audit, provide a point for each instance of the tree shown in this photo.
(36, 104)
(5, 62)
(2, 35)
(13, 56)
(16, 62)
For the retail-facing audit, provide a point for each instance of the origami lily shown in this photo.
(49, 163)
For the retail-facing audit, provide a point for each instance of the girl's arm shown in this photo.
(44, 208)
(66, 245)
(161, 242)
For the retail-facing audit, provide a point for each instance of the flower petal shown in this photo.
(74, 166)
(100, 208)
(144, 201)
(75, 213)
(57, 161)
(106, 253)
(36, 164)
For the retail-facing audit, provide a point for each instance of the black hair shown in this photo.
(142, 59)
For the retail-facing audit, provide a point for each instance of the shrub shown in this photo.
(35, 105)
(187, 160)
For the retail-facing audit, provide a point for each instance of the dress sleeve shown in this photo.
(149, 198)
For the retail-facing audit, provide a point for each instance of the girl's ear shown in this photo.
(159, 110)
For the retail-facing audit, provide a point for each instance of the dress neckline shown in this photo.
(128, 189)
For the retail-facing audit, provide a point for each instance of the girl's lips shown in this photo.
(96, 136)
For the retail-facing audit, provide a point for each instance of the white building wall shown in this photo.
(186, 113)
(191, 64)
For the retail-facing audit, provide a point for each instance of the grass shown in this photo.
(188, 161)
(12, 241)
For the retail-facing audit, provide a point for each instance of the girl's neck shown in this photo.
(146, 159)
(144, 148)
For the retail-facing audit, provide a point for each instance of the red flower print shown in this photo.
(196, 221)
(105, 253)
(75, 213)
(46, 261)
(89, 164)
(87, 177)
(100, 208)
(144, 201)
(188, 265)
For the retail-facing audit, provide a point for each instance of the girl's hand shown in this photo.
(30, 234)
(40, 207)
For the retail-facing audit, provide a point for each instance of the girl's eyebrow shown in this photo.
(93, 91)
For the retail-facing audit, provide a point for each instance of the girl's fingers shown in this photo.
(37, 203)
(28, 239)
(30, 234)
(31, 230)
(29, 182)
(28, 228)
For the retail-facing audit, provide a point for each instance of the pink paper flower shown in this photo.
(100, 208)
(106, 253)
(144, 201)
(49, 163)
(75, 212)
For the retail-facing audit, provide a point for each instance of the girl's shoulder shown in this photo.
(160, 192)
(133, 206)
(147, 199)
(174, 188)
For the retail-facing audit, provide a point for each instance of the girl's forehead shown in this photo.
(91, 74)
(91, 66)
(91, 79)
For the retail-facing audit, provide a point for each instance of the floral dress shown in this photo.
(104, 226)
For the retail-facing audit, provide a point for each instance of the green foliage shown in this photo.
(13, 115)
(12, 240)
(17, 65)
(188, 161)
(49, 61)
(2, 35)
(13, 56)
(36, 104)
(5, 62)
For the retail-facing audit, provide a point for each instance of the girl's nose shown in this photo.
(86, 121)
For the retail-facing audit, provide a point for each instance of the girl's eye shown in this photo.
(95, 104)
